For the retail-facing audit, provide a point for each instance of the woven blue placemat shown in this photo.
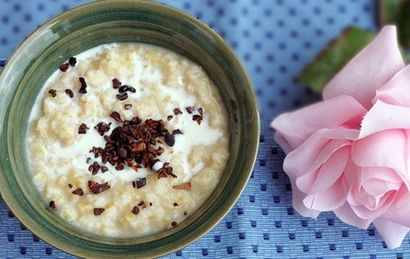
(274, 39)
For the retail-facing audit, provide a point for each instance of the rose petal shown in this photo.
(295, 127)
(369, 70)
(281, 141)
(379, 209)
(383, 116)
(384, 149)
(400, 211)
(397, 90)
(377, 187)
(392, 233)
(328, 173)
(297, 198)
(299, 160)
(327, 200)
(347, 215)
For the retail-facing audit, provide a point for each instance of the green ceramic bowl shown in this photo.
(120, 21)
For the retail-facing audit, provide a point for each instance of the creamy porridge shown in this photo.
(127, 139)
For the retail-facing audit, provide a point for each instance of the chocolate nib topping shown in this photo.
(83, 128)
(177, 111)
(98, 211)
(139, 183)
(190, 109)
(53, 92)
(102, 127)
(135, 210)
(97, 187)
(78, 191)
(197, 118)
(127, 106)
(83, 87)
(169, 139)
(173, 223)
(116, 83)
(69, 92)
(116, 116)
(72, 61)
(122, 96)
(52, 205)
(94, 168)
(64, 67)
(134, 144)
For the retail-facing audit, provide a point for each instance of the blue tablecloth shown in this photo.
(274, 39)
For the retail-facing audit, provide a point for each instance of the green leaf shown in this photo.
(396, 12)
(330, 60)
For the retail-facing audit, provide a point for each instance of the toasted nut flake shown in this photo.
(183, 186)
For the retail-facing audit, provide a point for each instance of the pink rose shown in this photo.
(350, 153)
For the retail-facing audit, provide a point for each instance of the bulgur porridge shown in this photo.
(127, 139)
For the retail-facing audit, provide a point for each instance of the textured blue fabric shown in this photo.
(274, 39)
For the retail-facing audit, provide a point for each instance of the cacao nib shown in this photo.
(122, 96)
(177, 111)
(52, 205)
(135, 210)
(83, 128)
(116, 116)
(98, 211)
(127, 106)
(72, 61)
(97, 188)
(64, 67)
(140, 183)
(83, 87)
(197, 118)
(190, 109)
(169, 139)
(78, 191)
(69, 92)
(102, 127)
(116, 83)
(53, 92)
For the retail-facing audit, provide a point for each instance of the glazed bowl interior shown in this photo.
(107, 22)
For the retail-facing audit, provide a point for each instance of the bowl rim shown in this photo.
(252, 151)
